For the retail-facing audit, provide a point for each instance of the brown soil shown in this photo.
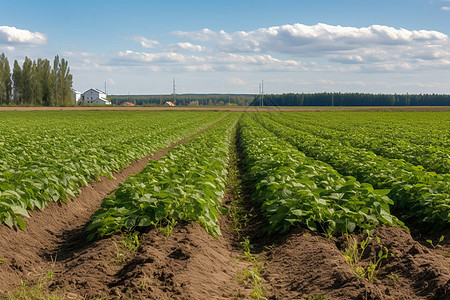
(305, 264)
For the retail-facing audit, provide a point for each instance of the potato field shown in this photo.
(224, 205)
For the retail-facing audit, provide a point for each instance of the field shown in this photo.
(224, 204)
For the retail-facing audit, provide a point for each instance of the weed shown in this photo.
(318, 297)
(253, 278)
(131, 241)
(168, 228)
(36, 291)
(129, 244)
(354, 252)
(2, 260)
(393, 277)
(437, 245)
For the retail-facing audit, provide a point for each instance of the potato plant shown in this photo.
(187, 184)
(47, 156)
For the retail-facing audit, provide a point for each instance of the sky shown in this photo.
(231, 46)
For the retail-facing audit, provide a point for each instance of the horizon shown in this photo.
(138, 47)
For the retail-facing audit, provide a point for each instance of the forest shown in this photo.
(352, 99)
(184, 99)
(35, 83)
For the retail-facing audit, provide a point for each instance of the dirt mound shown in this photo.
(305, 264)
(189, 264)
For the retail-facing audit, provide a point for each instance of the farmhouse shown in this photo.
(169, 103)
(95, 96)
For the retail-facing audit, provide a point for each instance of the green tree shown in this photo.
(17, 79)
(5, 80)
(27, 83)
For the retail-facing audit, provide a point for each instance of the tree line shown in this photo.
(36, 83)
(184, 99)
(352, 99)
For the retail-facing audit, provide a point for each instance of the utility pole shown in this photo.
(174, 92)
(262, 93)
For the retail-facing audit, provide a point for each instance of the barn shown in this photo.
(95, 96)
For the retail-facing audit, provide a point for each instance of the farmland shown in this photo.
(224, 205)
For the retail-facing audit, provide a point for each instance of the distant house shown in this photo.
(127, 104)
(95, 96)
(169, 103)
(76, 96)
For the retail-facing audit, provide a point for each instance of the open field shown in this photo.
(238, 108)
(154, 204)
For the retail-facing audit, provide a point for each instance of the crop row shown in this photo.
(293, 188)
(187, 184)
(422, 196)
(419, 128)
(45, 157)
(431, 156)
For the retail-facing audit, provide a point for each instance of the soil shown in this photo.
(306, 264)
(190, 264)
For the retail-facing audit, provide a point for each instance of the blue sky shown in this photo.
(137, 47)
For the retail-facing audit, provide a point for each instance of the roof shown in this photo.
(127, 104)
(95, 90)
(170, 103)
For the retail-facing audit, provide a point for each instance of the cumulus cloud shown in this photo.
(141, 58)
(310, 40)
(144, 42)
(14, 36)
(219, 61)
(186, 46)
(377, 46)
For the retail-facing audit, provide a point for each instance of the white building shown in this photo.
(95, 96)
(76, 96)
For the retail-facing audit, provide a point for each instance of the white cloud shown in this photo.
(144, 42)
(186, 46)
(14, 36)
(305, 40)
(445, 8)
(142, 58)
(201, 36)
(171, 61)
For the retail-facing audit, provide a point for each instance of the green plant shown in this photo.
(2, 260)
(353, 255)
(35, 291)
(319, 297)
(293, 188)
(82, 150)
(247, 248)
(187, 184)
(375, 264)
(437, 245)
(252, 278)
(354, 252)
(394, 277)
(130, 241)
(421, 195)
